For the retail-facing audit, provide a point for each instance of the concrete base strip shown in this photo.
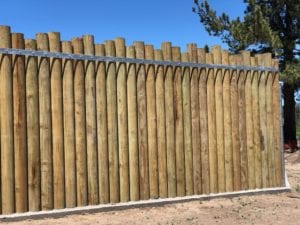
(143, 203)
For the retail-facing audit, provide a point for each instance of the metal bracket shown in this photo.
(61, 55)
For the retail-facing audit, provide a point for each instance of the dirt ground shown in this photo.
(281, 208)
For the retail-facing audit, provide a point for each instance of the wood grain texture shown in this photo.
(20, 131)
(235, 126)
(45, 125)
(263, 124)
(242, 125)
(249, 122)
(112, 124)
(179, 132)
(122, 121)
(69, 127)
(57, 122)
(217, 58)
(203, 123)
(80, 125)
(276, 104)
(151, 121)
(170, 126)
(142, 122)
(256, 125)
(187, 126)
(102, 135)
(227, 125)
(270, 129)
(192, 49)
(33, 130)
(161, 128)
(132, 127)
(212, 132)
(91, 125)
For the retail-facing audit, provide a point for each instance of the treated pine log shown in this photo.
(69, 127)
(235, 125)
(212, 132)
(242, 125)
(7, 125)
(217, 58)
(179, 134)
(142, 123)
(151, 121)
(45, 125)
(161, 127)
(270, 129)
(20, 136)
(263, 123)
(91, 125)
(132, 127)
(112, 124)
(249, 121)
(193, 58)
(227, 125)
(102, 135)
(203, 123)
(57, 122)
(122, 121)
(276, 104)
(256, 126)
(80, 125)
(187, 126)
(33, 132)
(170, 126)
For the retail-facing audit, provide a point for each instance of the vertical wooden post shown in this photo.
(270, 129)
(179, 134)
(276, 104)
(169, 110)
(213, 159)
(203, 123)
(161, 128)
(80, 125)
(103, 171)
(33, 132)
(20, 136)
(142, 123)
(242, 125)
(249, 122)
(91, 125)
(187, 126)
(69, 127)
(57, 122)
(122, 121)
(112, 124)
(227, 125)
(263, 123)
(7, 128)
(256, 125)
(235, 125)
(192, 49)
(45, 124)
(217, 57)
(132, 127)
(151, 121)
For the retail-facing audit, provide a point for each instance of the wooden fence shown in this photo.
(76, 133)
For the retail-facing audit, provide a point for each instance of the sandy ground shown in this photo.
(281, 208)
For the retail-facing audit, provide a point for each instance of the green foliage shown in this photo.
(291, 73)
(267, 26)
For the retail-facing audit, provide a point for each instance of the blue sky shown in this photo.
(150, 21)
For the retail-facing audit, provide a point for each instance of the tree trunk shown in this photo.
(289, 127)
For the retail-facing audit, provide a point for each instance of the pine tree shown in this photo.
(267, 26)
